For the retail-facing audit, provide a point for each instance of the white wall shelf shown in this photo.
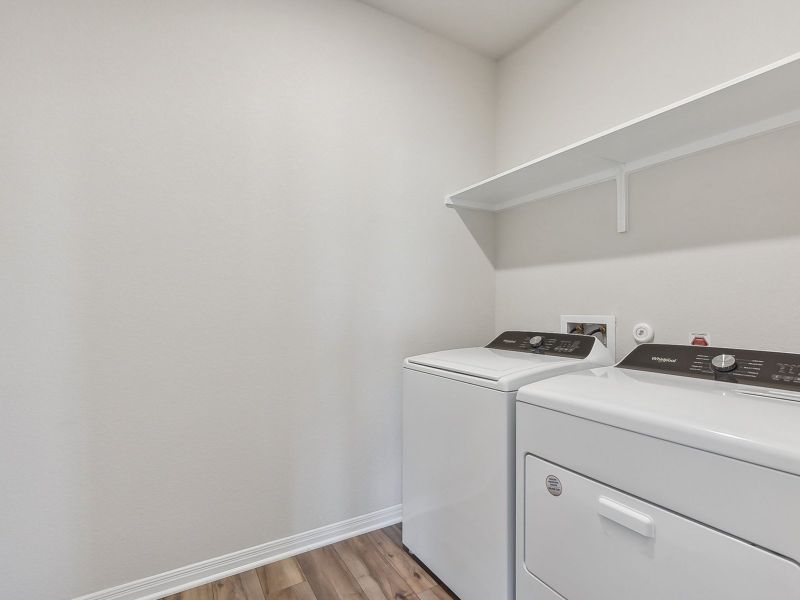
(759, 102)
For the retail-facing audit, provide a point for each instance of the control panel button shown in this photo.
(536, 341)
(724, 362)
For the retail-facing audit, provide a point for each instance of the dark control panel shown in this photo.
(537, 342)
(748, 367)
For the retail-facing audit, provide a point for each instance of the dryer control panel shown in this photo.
(537, 342)
(749, 367)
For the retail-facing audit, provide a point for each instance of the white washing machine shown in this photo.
(673, 476)
(458, 453)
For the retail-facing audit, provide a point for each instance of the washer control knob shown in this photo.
(724, 362)
(537, 341)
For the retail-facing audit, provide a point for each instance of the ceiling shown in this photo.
(491, 27)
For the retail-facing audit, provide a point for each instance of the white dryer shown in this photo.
(674, 475)
(458, 453)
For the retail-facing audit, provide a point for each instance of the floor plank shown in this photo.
(415, 576)
(328, 577)
(204, 592)
(372, 571)
(244, 586)
(436, 593)
(280, 575)
(301, 591)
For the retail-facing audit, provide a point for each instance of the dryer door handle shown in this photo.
(627, 517)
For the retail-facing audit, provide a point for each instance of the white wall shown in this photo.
(222, 229)
(714, 241)
(608, 61)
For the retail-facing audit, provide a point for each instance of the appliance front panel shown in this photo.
(458, 483)
(588, 541)
(750, 502)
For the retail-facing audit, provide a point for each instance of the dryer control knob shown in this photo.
(724, 362)
(537, 341)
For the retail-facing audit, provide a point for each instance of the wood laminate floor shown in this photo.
(372, 566)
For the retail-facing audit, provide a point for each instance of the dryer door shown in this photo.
(587, 541)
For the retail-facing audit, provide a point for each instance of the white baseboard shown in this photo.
(184, 578)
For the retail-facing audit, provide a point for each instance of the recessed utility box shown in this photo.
(603, 327)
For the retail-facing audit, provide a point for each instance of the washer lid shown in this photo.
(485, 363)
(514, 359)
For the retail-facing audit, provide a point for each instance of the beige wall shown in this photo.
(222, 230)
(714, 242)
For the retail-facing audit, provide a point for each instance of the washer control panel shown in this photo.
(750, 367)
(537, 342)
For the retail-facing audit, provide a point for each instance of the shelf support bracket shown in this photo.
(622, 200)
